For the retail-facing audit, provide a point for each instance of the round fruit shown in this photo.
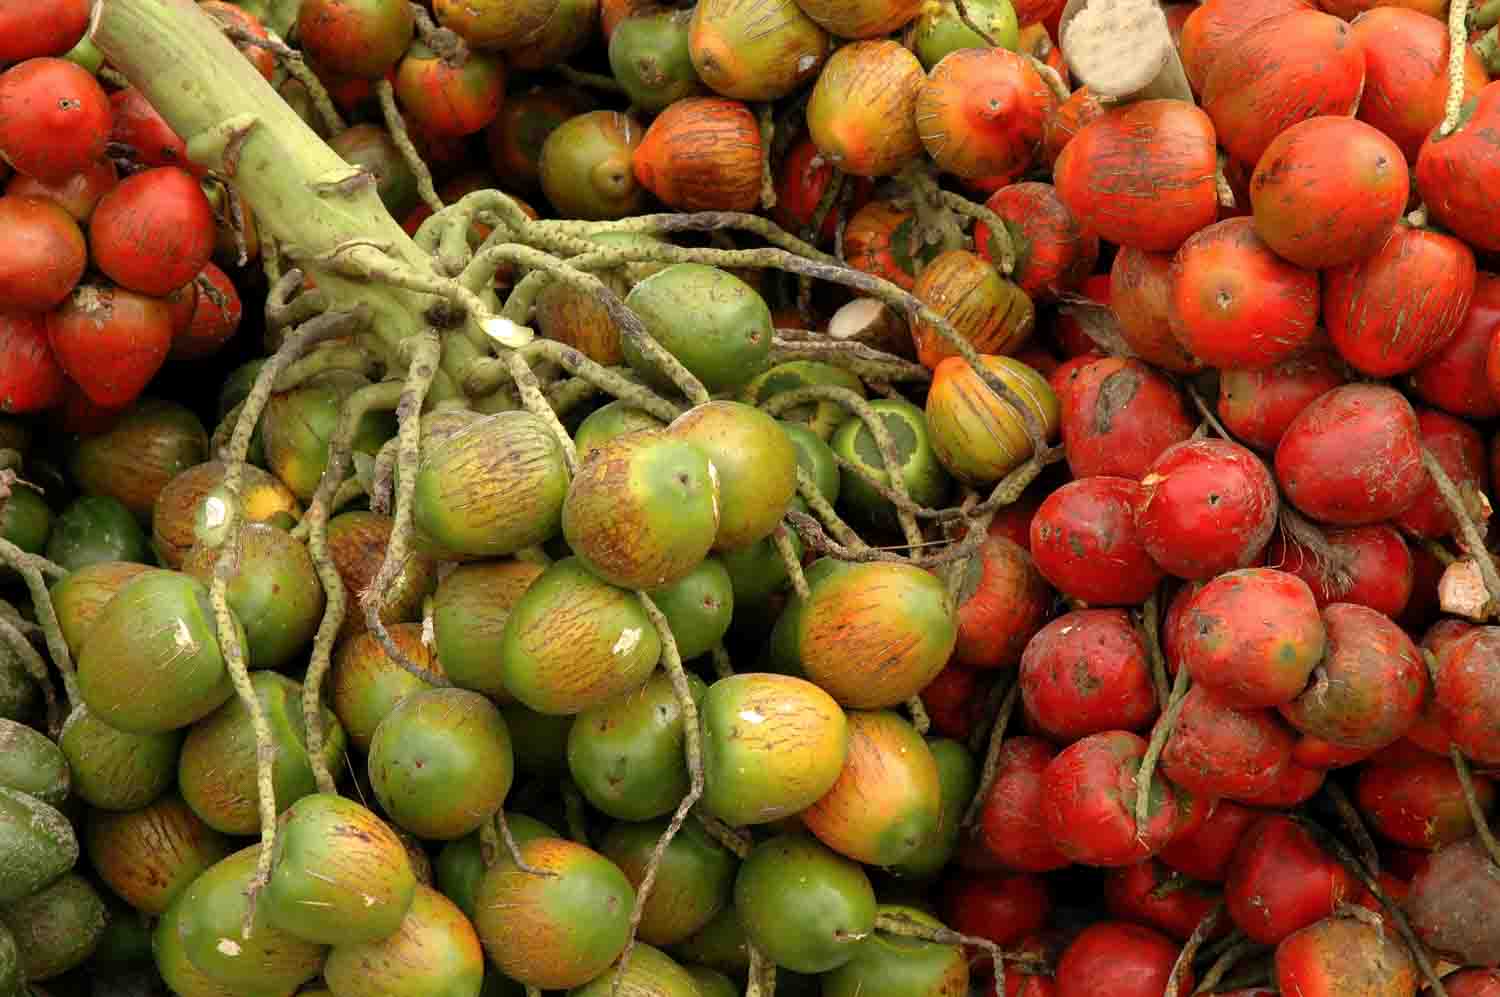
(154, 232)
(695, 879)
(805, 907)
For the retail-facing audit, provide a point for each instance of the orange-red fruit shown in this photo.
(152, 142)
(1119, 959)
(862, 113)
(1088, 802)
(1217, 24)
(1390, 311)
(1353, 456)
(78, 193)
(1281, 880)
(1142, 175)
(1323, 168)
(54, 118)
(860, 18)
(1466, 690)
(1460, 451)
(702, 154)
(981, 113)
(359, 38)
(445, 100)
(1235, 303)
(1085, 542)
(1258, 405)
(44, 254)
(1456, 378)
(1346, 957)
(1406, 74)
(1087, 672)
(215, 316)
(1118, 415)
(1455, 174)
(31, 379)
(878, 240)
(1288, 69)
(32, 28)
(1216, 750)
(1419, 803)
(1206, 507)
(1140, 293)
(110, 340)
(1067, 120)
(991, 313)
(228, 13)
(804, 178)
(154, 232)
(1374, 567)
(1053, 251)
(1002, 605)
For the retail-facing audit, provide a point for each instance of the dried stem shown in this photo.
(503, 823)
(1191, 947)
(1159, 734)
(783, 543)
(1368, 853)
(1150, 619)
(396, 125)
(1458, 45)
(11, 637)
(992, 754)
(291, 60)
(1226, 961)
(1469, 532)
(1476, 811)
(919, 718)
(767, 139)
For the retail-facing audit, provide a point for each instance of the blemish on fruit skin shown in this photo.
(229, 947)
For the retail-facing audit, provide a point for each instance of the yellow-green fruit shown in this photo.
(756, 463)
(149, 856)
(434, 953)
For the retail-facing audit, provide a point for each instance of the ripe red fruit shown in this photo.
(1449, 167)
(448, 100)
(76, 194)
(110, 340)
(1323, 756)
(54, 118)
(1005, 908)
(1012, 829)
(1423, 282)
(1466, 689)
(238, 17)
(1088, 802)
(1460, 450)
(1206, 506)
(1235, 303)
(1118, 415)
(1121, 960)
(1003, 608)
(1204, 854)
(151, 140)
(32, 28)
(1257, 405)
(954, 701)
(1215, 750)
(804, 178)
(44, 254)
(359, 38)
(1343, 956)
(1087, 672)
(1215, 25)
(1353, 456)
(1373, 567)
(1085, 542)
(1151, 893)
(1473, 983)
(1054, 252)
(214, 319)
(1281, 880)
(154, 232)
(31, 379)
(1419, 803)
(1368, 690)
(1457, 378)
(1140, 293)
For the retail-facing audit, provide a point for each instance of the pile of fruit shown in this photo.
(859, 498)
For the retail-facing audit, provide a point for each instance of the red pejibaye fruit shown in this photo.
(1119, 959)
(54, 118)
(1085, 542)
(1118, 415)
(31, 379)
(1206, 507)
(1085, 673)
(1281, 880)
(1088, 802)
(1012, 828)
(1452, 171)
(154, 232)
(44, 254)
(110, 341)
(1258, 405)
(1215, 750)
(29, 29)
(1053, 251)
(1140, 294)
(1003, 602)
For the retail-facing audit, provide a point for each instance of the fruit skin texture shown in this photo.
(702, 154)
(1214, 26)
(1291, 68)
(1217, 751)
(1449, 166)
(1325, 168)
(980, 437)
(1460, 451)
(1054, 253)
(1141, 287)
(1257, 405)
(1460, 377)
(44, 255)
(866, 19)
(862, 114)
(25, 35)
(110, 341)
(1002, 604)
(1088, 802)
(450, 101)
(1467, 694)
(1353, 456)
(1085, 542)
(1280, 881)
(359, 38)
(982, 111)
(801, 904)
(1252, 636)
(1376, 567)
(1142, 175)
(1235, 303)
(1118, 416)
(1119, 959)
(1206, 507)
(154, 232)
(1452, 904)
(1341, 956)
(54, 118)
(752, 50)
(32, 379)
(1012, 828)
(1369, 688)
(991, 313)
(757, 465)
(1423, 282)
(1419, 803)
(1086, 672)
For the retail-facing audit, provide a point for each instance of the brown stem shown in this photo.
(1476, 811)
(1190, 949)
(992, 754)
(1469, 532)
(1368, 853)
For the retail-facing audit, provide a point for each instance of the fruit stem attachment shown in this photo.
(1469, 533)
(1151, 637)
(1476, 811)
(296, 67)
(503, 823)
(783, 542)
(1159, 734)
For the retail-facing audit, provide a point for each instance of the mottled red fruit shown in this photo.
(1281, 880)
(29, 28)
(76, 194)
(1216, 24)
(1118, 415)
(1234, 303)
(1460, 450)
(1457, 378)
(110, 340)
(215, 318)
(1053, 251)
(1453, 901)
(1452, 171)
(154, 232)
(1215, 750)
(1085, 543)
(1003, 602)
(1140, 294)
(1257, 405)
(954, 701)
(1206, 507)
(1419, 804)
(1151, 893)
(1322, 168)
(1353, 456)
(1142, 175)
(1368, 689)
(54, 118)
(1011, 827)
(44, 254)
(1005, 908)
(1119, 959)
(1087, 672)
(1298, 785)
(1346, 957)
(1430, 732)
(152, 142)
(804, 178)
(31, 379)
(446, 99)
(1467, 692)
(1067, 120)
(359, 38)
(1373, 567)
(1395, 308)
(1290, 68)
(1088, 801)
(1473, 983)
(1323, 756)
(1204, 855)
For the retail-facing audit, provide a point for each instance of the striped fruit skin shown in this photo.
(702, 154)
(980, 437)
(862, 114)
